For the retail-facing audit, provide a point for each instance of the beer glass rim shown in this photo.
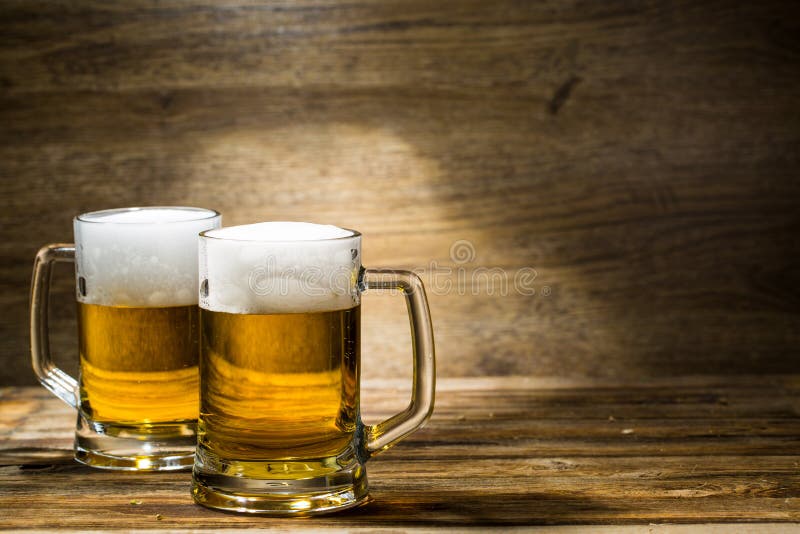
(96, 217)
(353, 233)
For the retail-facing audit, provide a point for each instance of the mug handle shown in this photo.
(57, 381)
(386, 433)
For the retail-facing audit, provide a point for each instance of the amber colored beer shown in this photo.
(139, 365)
(278, 387)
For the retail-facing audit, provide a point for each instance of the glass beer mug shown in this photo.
(136, 287)
(280, 430)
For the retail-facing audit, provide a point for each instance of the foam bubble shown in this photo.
(279, 267)
(142, 257)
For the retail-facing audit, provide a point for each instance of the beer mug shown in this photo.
(136, 287)
(280, 430)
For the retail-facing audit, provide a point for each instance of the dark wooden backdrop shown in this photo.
(640, 156)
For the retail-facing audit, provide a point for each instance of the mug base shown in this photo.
(298, 505)
(237, 486)
(135, 447)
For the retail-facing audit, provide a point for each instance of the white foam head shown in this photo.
(279, 267)
(142, 257)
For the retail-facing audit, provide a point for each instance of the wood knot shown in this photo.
(562, 94)
(166, 99)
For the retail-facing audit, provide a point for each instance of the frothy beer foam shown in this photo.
(279, 267)
(140, 257)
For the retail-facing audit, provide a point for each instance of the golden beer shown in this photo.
(280, 430)
(136, 282)
(138, 365)
(279, 388)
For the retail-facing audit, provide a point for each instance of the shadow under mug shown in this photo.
(136, 290)
(280, 428)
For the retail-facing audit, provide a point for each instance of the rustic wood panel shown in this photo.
(641, 156)
(508, 451)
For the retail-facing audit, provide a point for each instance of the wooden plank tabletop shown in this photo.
(500, 451)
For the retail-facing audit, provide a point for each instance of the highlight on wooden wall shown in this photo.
(628, 168)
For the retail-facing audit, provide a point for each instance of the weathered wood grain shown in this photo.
(641, 156)
(497, 452)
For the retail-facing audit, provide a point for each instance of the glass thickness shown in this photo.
(280, 431)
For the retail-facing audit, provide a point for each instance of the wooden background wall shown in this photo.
(641, 156)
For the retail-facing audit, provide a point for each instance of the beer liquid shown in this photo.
(278, 387)
(139, 365)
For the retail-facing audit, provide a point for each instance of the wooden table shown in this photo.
(504, 451)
